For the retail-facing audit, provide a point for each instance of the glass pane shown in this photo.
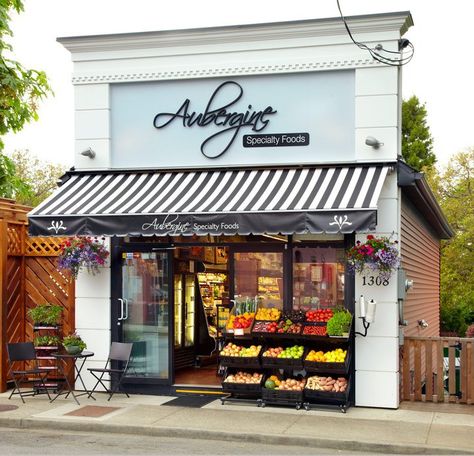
(190, 311)
(178, 310)
(259, 274)
(145, 317)
(318, 277)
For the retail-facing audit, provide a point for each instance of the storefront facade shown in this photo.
(218, 149)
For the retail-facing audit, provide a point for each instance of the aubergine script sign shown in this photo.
(218, 112)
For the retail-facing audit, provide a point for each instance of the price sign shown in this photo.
(239, 331)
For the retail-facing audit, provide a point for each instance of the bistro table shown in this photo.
(65, 370)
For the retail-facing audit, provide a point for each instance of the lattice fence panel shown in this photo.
(14, 244)
(43, 246)
(44, 283)
(14, 311)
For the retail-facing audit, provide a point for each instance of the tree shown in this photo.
(21, 90)
(417, 143)
(455, 191)
(39, 178)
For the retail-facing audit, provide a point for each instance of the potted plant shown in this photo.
(82, 252)
(45, 314)
(379, 255)
(46, 341)
(338, 325)
(73, 344)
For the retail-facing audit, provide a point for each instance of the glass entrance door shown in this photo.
(143, 314)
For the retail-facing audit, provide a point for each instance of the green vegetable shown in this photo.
(270, 384)
(339, 323)
(47, 314)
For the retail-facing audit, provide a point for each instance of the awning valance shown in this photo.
(281, 200)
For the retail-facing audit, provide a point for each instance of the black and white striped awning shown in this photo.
(290, 200)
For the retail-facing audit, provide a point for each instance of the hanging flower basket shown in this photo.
(82, 252)
(375, 255)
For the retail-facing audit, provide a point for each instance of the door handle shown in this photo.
(126, 309)
(121, 309)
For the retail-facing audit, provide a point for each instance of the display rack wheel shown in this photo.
(298, 406)
(343, 408)
(259, 402)
(306, 406)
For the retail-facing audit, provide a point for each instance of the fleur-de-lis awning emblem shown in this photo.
(340, 221)
(56, 226)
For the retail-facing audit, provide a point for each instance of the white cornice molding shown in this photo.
(243, 70)
(397, 22)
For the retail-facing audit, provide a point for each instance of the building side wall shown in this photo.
(420, 251)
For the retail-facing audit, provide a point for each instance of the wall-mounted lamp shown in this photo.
(367, 314)
(423, 324)
(373, 142)
(88, 153)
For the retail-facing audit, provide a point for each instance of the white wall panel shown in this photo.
(386, 321)
(101, 147)
(91, 96)
(387, 215)
(376, 111)
(93, 286)
(388, 136)
(376, 81)
(92, 124)
(378, 354)
(93, 313)
(377, 389)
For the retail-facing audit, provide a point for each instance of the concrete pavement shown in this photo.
(413, 429)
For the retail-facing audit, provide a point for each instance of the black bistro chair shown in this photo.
(25, 352)
(120, 352)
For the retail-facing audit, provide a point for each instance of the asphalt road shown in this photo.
(49, 442)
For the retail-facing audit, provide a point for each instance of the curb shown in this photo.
(153, 431)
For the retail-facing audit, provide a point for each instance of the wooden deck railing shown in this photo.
(438, 369)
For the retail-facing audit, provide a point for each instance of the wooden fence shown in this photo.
(438, 369)
(28, 276)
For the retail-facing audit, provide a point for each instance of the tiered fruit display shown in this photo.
(243, 321)
(273, 352)
(328, 384)
(269, 314)
(289, 384)
(315, 330)
(244, 377)
(238, 351)
(334, 356)
(265, 326)
(319, 315)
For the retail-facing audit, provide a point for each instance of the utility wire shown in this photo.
(397, 58)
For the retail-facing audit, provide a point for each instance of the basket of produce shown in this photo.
(339, 325)
(262, 328)
(333, 361)
(268, 314)
(288, 328)
(233, 355)
(287, 390)
(283, 357)
(243, 382)
(332, 389)
(319, 315)
(313, 330)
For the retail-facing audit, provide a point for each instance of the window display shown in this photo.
(259, 274)
(318, 277)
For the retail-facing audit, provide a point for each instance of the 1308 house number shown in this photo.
(373, 280)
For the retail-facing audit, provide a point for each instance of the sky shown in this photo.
(440, 73)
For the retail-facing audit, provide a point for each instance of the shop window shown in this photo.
(318, 277)
(259, 275)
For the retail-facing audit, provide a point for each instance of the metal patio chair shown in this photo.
(120, 352)
(25, 352)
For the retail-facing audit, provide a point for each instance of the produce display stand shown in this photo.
(289, 367)
(240, 392)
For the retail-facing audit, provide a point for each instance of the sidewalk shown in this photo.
(413, 429)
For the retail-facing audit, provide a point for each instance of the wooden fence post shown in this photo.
(3, 304)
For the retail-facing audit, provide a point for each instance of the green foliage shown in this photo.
(74, 340)
(47, 314)
(417, 143)
(454, 188)
(46, 341)
(38, 178)
(11, 184)
(21, 90)
(339, 323)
